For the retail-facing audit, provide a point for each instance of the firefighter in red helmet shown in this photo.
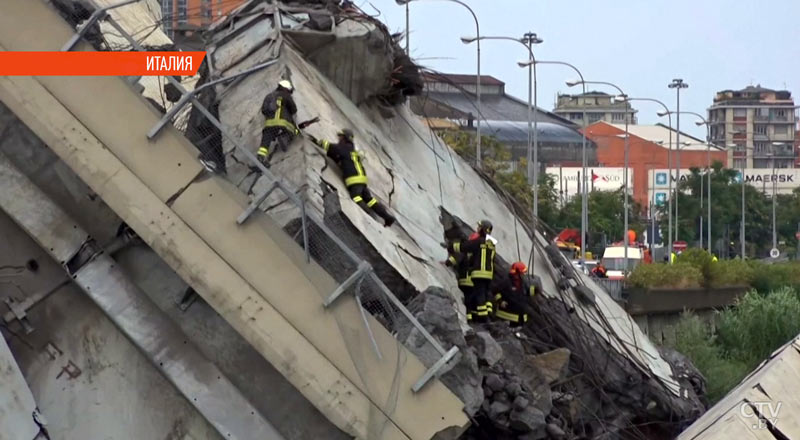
(512, 295)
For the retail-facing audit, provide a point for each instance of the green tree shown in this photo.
(746, 335)
(726, 211)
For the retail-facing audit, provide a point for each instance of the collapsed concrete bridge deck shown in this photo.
(253, 275)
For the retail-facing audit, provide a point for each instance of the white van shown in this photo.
(614, 260)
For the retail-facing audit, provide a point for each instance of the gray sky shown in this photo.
(640, 45)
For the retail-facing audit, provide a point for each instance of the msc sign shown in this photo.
(661, 178)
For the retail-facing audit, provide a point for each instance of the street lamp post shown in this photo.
(742, 227)
(703, 121)
(528, 40)
(584, 198)
(774, 196)
(678, 84)
(478, 81)
(668, 114)
(626, 160)
(774, 192)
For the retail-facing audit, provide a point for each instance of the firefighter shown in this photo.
(599, 271)
(512, 295)
(460, 261)
(481, 270)
(345, 155)
(279, 129)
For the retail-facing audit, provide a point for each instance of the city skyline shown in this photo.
(711, 46)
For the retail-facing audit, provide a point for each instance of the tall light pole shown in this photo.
(408, 35)
(678, 84)
(742, 227)
(742, 230)
(668, 114)
(703, 121)
(478, 81)
(584, 198)
(527, 40)
(626, 160)
(774, 192)
(775, 195)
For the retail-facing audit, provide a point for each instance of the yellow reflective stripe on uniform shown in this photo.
(533, 290)
(465, 282)
(481, 274)
(358, 199)
(278, 121)
(357, 162)
(326, 145)
(452, 260)
(263, 151)
(372, 202)
(360, 177)
(513, 317)
(483, 257)
(498, 296)
(489, 306)
(469, 316)
(355, 180)
(457, 246)
(281, 123)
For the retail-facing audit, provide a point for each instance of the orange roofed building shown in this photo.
(649, 150)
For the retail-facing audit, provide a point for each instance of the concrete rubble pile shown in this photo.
(580, 369)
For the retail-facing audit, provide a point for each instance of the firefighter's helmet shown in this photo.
(346, 133)
(485, 226)
(518, 268)
(286, 84)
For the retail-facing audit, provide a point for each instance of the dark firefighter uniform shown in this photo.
(599, 271)
(279, 110)
(512, 295)
(355, 178)
(481, 271)
(460, 261)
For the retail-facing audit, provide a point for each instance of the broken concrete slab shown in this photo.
(553, 365)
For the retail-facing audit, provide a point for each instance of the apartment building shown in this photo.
(756, 126)
(599, 106)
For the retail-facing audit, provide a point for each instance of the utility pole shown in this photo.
(774, 196)
(742, 227)
(678, 84)
(797, 255)
(408, 37)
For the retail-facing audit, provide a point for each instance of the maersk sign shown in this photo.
(785, 180)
